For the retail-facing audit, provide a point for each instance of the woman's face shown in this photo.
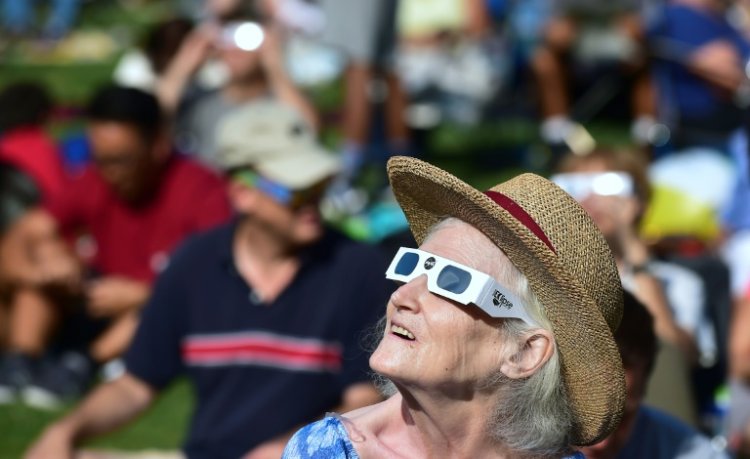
(299, 225)
(453, 346)
(242, 65)
(609, 213)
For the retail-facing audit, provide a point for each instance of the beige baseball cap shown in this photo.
(275, 140)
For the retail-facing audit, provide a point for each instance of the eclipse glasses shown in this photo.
(458, 283)
(294, 199)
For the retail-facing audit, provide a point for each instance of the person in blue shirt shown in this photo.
(700, 66)
(19, 17)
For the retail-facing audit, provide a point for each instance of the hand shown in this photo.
(218, 8)
(114, 295)
(270, 51)
(54, 443)
(194, 50)
(32, 253)
(57, 267)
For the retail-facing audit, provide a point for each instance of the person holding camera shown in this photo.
(249, 51)
(613, 187)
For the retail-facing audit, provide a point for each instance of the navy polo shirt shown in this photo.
(259, 370)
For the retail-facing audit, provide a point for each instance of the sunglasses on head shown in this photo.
(457, 282)
(582, 184)
(294, 199)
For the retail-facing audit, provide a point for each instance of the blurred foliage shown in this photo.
(75, 66)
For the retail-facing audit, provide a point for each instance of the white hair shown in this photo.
(532, 415)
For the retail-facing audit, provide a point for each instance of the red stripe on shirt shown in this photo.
(261, 349)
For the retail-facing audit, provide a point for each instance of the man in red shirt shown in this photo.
(124, 215)
(24, 141)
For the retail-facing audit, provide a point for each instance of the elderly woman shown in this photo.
(498, 342)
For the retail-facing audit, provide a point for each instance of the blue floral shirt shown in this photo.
(328, 439)
(325, 439)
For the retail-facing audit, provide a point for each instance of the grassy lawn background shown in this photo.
(162, 427)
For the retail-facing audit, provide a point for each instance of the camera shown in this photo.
(244, 35)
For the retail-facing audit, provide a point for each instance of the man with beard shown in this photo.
(264, 315)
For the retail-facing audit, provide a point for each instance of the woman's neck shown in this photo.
(448, 427)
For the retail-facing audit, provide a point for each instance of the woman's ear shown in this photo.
(533, 352)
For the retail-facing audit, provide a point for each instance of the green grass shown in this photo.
(69, 84)
(162, 427)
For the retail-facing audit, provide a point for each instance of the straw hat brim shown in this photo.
(591, 365)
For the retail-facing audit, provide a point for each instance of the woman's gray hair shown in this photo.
(532, 415)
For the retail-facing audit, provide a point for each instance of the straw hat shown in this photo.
(570, 268)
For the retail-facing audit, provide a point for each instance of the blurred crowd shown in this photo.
(200, 187)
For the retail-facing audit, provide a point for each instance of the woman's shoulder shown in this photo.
(324, 439)
(333, 437)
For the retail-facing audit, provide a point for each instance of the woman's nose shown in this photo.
(410, 295)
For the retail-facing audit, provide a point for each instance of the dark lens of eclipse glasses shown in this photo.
(407, 263)
(453, 279)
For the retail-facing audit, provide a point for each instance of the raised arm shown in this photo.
(193, 52)
(739, 341)
(279, 81)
